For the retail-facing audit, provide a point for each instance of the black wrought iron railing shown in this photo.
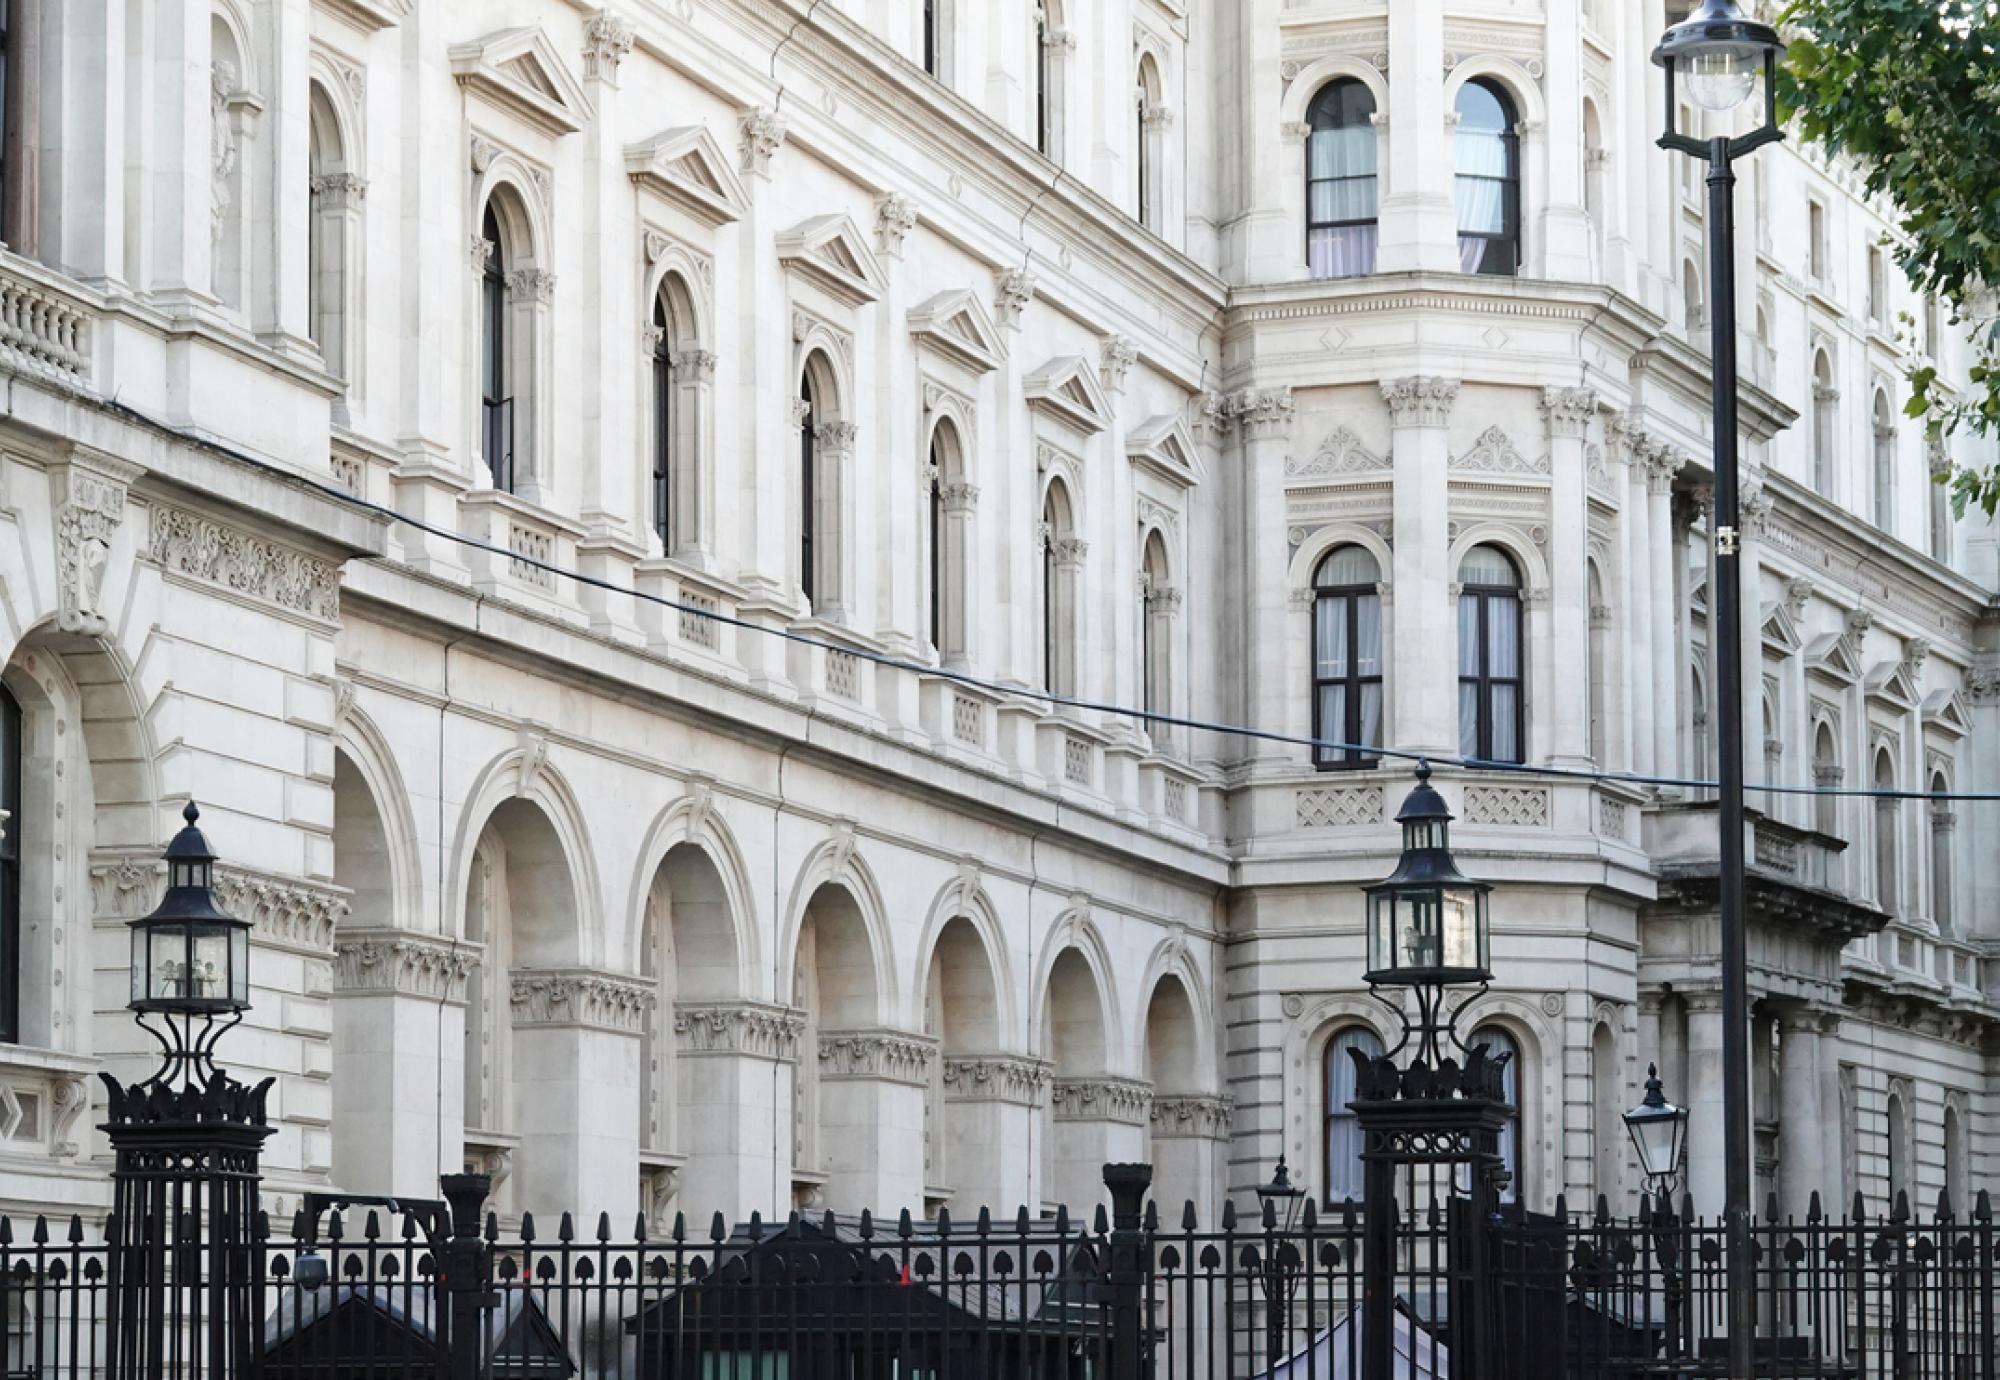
(375, 1295)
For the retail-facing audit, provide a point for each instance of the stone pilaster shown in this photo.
(1094, 1121)
(872, 1090)
(1422, 704)
(990, 1106)
(1569, 412)
(1263, 420)
(735, 1066)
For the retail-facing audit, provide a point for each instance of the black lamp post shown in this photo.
(1281, 1199)
(1659, 1132)
(185, 1272)
(1717, 54)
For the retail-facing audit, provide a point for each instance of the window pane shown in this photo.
(1368, 635)
(1343, 1133)
(1482, 205)
(1468, 720)
(1503, 636)
(1506, 744)
(1488, 565)
(1468, 634)
(1341, 152)
(1332, 638)
(1347, 565)
(1346, 252)
(1333, 717)
(1371, 715)
(1340, 198)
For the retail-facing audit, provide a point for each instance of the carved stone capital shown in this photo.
(402, 962)
(283, 912)
(580, 997)
(835, 437)
(340, 191)
(533, 284)
(1103, 1098)
(752, 1029)
(1197, 1118)
(1118, 355)
(697, 365)
(1569, 410)
(1263, 412)
(895, 217)
(607, 38)
(959, 498)
(889, 1056)
(89, 495)
(1014, 289)
(1421, 400)
(480, 252)
(759, 137)
(1070, 550)
(1013, 1078)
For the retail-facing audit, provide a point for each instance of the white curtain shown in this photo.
(1343, 1132)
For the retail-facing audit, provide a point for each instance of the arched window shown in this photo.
(1341, 229)
(934, 530)
(948, 503)
(1826, 424)
(1487, 156)
(1062, 560)
(1943, 903)
(663, 423)
(1898, 1116)
(808, 488)
(1595, 159)
(12, 826)
(1343, 1132)
(1502, 1045)
(1148, 124)
(1156, 608)
(333, 235)
(1347, 657)
(1888, 894)
(496, 434)
(1691, 299)
(1827, 776)
(1490, 714)
(1885, 462)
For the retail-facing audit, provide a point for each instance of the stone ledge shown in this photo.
(402, 962)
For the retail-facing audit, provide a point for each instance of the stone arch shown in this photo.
(692, 822)
(1505, 72)
(366, 777)
(965, 900)
(1538, 1089)
(1315, 76)
(523, 776)
(1172, 963)
(1888, 816)
(1075, 932)
(1526, 555)
(1307, 1038)
(1305, 561)
(959, 1006)
(677, 276)
(1607, 1094)
(507, 188)
(835, 866)
(820, 360)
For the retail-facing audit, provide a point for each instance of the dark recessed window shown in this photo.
(1490, 721)
(1341, 228)
(496, 407)
(11, 829)
(1487, 158)
(1347, 657)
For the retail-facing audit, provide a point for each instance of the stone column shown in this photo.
(280, 216)
(991, 1102)
(1569, 411)
(1565, 229)
(1422, 694)
(1662, 464)
(766, 428)
(1263, 418)
(576, 1084)
(398, 1059)
(734, 1067)
(1190, 1146)
(1419, 218)
(182, 225)
(1096, 1121)
(1752, 517)
(871, 1118)
(1704, 1100)
(1630, 445)
(1801, 1114)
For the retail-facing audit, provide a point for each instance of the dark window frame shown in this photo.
(930, 38)
(1508, 240)
(808, 474)
(1349, 732)
(1331, 96)
(1043, 64)
(1510, 1146)
(1489, 596)
(663, 427)
(496, 404)
(934, 500)
(13, 741)
(1335, 1052)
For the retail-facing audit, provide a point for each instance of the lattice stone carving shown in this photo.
(693, 627)
(1338, 807)
(1613, 818)
(1076, 761)
(1513, 807)
(529, 546)
(968, 720)
(1173, 799)
(843, 674)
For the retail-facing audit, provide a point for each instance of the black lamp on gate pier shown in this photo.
(1659, 1132)
(190, 962)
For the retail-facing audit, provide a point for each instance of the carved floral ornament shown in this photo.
(401, 961)
(1014, 289)
(1495, 453)
(1342, 452)
(1423, 400)
(607, 38)
(895, 217)
(888, 1055)
(747, 1028)
(761, 135)
(1569, 410)
(1200, 1118)
(283, 912)
(1102, 1099)
(598, 1000)
(1012, 1078)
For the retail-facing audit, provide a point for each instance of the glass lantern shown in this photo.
(189, 957)
(1427, 921)
(1658, 1128)
(1716, 55)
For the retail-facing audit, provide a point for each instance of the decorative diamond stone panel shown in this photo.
(1338, 807)
(1513, 807)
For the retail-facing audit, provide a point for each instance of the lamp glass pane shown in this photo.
(1419, 938)
(1721, 76)
(1461, 929)
(167, 963)
(209, 971)
(141, 965)
(1381, 931)
(239, 965)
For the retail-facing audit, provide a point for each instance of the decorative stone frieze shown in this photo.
(403, 963)
(1495, 453)
(1515, 807)
(1340, 453)
(581, 997)
(750, 1028)
(1421, 400)
(89, 507)
(1192, 1118)
(1013, 1078)
(1104, 1098)
(283, 912)
(892, 1056)
(200, 548)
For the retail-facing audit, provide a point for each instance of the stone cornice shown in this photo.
(402, 962)
(1014, 1078)
(580, 997)
(1196, 1118)
(1104, 1098)
(749, 1028)
(891, 1056)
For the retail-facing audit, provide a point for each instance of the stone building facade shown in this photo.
(886, 367)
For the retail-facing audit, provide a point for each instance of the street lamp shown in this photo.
(1427, 925)
(1281, 1198)
(1659, 1130)
(190, 962)
(1718, 53)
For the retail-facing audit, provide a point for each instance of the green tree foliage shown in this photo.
(1910, 91)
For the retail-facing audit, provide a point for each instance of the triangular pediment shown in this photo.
(687, 167)
(829, 251)
(1832, 656)
(367, 15)
(1066, 388)
(520, 71)
(1166, 446)
(1781, 633)
(958, 326)
(1945, 711)
(1889, 681)
(1341, 452)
